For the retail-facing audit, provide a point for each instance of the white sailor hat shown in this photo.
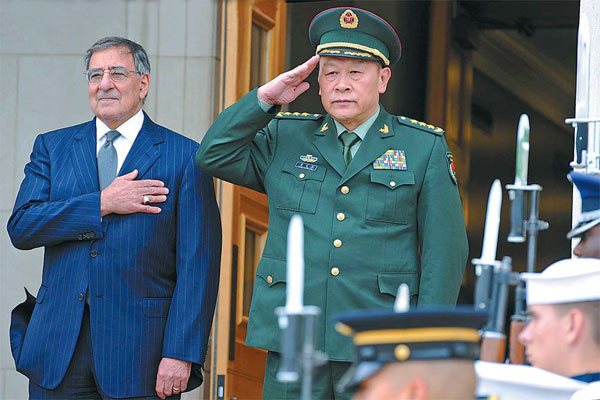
(589, 189)
(517, 382)
(566, 281)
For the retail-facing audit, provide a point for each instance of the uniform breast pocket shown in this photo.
(299, 188)
(390, 196)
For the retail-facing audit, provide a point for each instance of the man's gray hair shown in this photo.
(140, 58)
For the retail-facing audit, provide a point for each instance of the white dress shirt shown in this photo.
(128, 130)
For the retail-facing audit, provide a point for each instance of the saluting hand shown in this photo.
(286, 87)
(125, 195)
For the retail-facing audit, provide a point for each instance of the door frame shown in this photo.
(237, 17)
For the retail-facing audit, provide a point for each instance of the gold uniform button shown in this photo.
(337, 243)
(392, 183)
(301, 176)
(345, 189)
(335, 271)
(269, 279)
(340, 217)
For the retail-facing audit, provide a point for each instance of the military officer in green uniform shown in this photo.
(377, 192)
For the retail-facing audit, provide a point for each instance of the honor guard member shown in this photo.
(422, 354)
(377, 192)
(588, 228)
(563, 332)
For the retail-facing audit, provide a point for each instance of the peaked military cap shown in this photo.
(355, 33)
(589, 188)
(385, 336)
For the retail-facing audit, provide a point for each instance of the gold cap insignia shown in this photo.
(402, 352)
(348, 19)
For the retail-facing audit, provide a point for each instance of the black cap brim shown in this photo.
(357, 373)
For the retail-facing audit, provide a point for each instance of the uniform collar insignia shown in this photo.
(385, 129)
(324, 127)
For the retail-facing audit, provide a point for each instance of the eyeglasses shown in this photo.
(117, 74)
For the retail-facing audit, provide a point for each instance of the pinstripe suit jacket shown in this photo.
(152, 278)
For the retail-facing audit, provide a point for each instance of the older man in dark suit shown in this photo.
(132, 242)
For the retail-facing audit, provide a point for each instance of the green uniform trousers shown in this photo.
(325, 379)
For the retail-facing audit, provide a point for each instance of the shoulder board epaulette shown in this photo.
(413, 123)
(298, 115)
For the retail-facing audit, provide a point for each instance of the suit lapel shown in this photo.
(327, 144)
(374, 145)
(144, 151)
(83, 157)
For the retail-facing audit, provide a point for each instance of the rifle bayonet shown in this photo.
(582, 104)
(517, 197)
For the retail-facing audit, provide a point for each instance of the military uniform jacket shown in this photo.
(367, 229)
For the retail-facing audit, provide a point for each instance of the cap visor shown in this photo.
(358, 373)
(582, 227)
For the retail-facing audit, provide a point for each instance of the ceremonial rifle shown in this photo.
(297, 321)
(488, 293)
(522, 230)
(587, 135)
(587, 138)
(493, 344)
